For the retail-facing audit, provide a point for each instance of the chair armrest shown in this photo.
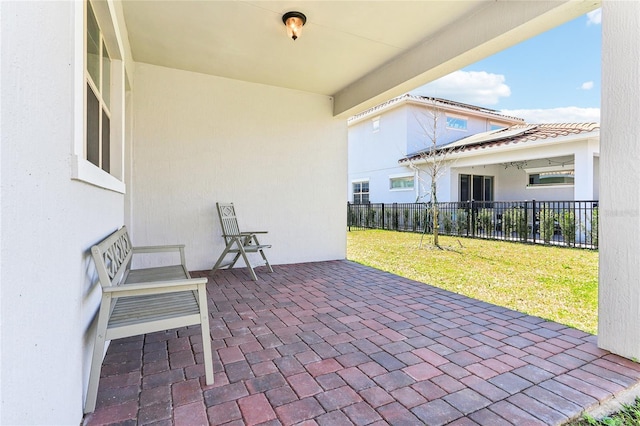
(156, 287)
(244, 234)
(158, 249)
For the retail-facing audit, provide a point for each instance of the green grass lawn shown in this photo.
(559, 284)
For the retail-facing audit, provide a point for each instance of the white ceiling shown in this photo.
(343, 42)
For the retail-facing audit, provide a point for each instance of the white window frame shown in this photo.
(353, 193)
(81, 168)
(550, 185)
(457, 117)
(403, 177)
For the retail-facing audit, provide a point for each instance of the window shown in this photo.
(100, 101)
(495, 126)
(458, 123)
(401, 183)
(476, 188)
(361, 192)
(98, 81)
(564, 177)
(375, 123)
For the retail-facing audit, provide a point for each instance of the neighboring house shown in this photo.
(544, 162)
(403, 126)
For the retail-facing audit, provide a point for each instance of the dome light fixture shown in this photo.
(294, 21)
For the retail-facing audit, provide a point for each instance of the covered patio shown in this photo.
(338, 343)
(147, 113)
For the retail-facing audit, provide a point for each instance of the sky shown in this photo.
(551, 78)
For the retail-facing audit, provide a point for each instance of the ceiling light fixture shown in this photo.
(294, 22)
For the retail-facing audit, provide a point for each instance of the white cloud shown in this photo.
(556, 115)
(594, 17)
(472, 87)
(587, 85)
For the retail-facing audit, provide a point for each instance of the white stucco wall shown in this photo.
(619, 282)
(49, 221)
(373, 156)
(278, 155)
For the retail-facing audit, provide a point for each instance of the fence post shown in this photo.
(394, 217)
(472, 225)
(533, 221)
(382, 213)
(526, 220)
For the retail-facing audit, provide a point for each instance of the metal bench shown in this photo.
(140, 301)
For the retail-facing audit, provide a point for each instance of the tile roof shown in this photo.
(519, 133)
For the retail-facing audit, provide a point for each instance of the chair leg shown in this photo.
(254, 277)
(264, 257)
(222, 256)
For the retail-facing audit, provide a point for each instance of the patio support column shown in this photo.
(619, 286)
(583, 169)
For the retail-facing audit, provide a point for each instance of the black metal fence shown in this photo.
(567, 223)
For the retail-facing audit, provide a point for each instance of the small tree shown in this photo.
(432, 161)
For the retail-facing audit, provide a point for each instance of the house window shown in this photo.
(401, 183)
(496, 126)
(457, 123)
(100, 104)
(476, 188)
(375, 123)
(98, 87)
(564, 177)
(361, 192)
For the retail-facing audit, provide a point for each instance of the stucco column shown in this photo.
(583, 169)
(619, 289)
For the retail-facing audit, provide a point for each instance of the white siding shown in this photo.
(278, 154)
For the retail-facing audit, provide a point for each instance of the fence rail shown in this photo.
(567, 223)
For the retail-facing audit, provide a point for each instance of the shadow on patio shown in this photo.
(337, 343)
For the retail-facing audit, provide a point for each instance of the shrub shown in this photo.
(371, 218)
(485, 220)
(462, 221)
(447, 222)
(567, 221)
(416, 219)
(547, 224)
(594, 226)
(514, 220)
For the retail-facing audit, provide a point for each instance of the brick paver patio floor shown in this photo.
(337, 343)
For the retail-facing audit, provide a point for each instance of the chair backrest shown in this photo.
(228, 220)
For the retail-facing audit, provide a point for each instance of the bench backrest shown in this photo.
(228, 220)
(112, 257)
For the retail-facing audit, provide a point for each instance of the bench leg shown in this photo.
(206, 336)
(96, 359)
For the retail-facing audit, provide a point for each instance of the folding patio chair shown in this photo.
(238, 243)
